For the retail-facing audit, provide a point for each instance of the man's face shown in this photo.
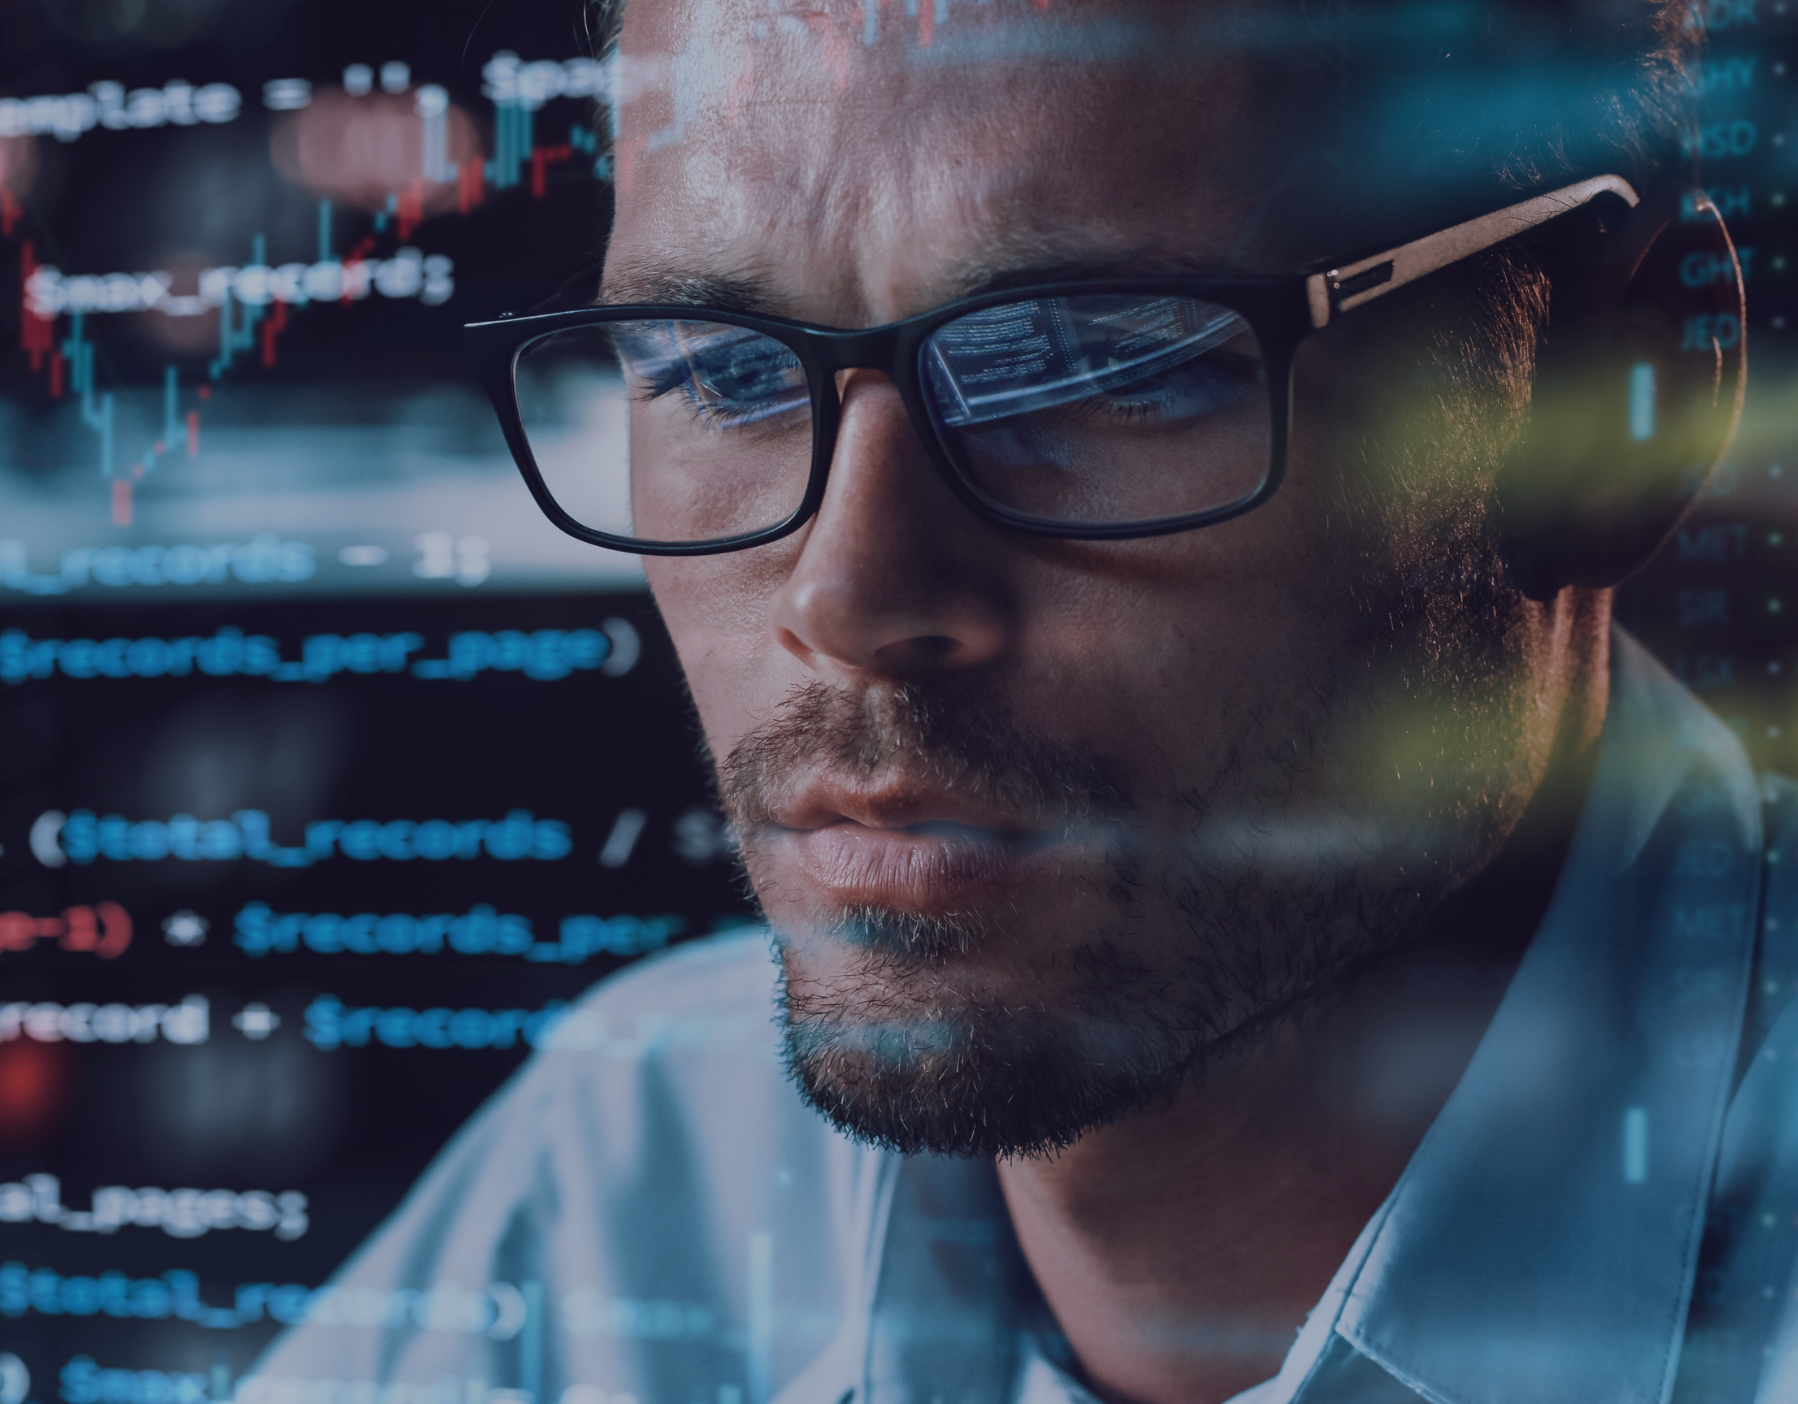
(1041, 823)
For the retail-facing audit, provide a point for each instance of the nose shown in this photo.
(895, 575)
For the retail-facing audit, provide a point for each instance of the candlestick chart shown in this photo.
(429, 166)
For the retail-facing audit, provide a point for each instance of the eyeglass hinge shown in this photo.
(1329, 292)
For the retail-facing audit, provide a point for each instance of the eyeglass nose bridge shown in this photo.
(871, 348)
(892, 350)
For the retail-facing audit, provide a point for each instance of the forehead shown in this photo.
(863, 165)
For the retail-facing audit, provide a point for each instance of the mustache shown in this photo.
(907, 940)
(946, 736)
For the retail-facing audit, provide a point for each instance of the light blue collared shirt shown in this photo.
(1606, 1209)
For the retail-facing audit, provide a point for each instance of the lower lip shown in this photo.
(941, 870)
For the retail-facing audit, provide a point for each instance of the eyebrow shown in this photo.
(756, 296)
(729, 293)
(975, 278)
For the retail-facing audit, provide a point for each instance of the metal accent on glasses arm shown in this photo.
(1345, 288)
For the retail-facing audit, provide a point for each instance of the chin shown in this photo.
(972, 1078)
(911, 1034)
(1013, 1030)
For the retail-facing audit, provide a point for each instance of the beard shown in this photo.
(946, 1071)
(906, 1046)
(1223, 907)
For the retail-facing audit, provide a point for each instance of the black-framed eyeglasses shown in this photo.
(1096, 410)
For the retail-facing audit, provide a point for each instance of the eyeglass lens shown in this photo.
(668, 430)
(1085, 409)
(1103, 408)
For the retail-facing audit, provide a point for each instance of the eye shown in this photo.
(1108, 355)
(1210, 383)
(747, 377)
(726, 375)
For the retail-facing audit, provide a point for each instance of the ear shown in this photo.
(1637, 392)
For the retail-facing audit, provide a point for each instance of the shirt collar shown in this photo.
(1543, 1241)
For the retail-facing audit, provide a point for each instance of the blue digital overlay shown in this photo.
(544, 655)
(481, 930)
(83, 837)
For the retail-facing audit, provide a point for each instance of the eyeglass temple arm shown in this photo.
(1343, 289)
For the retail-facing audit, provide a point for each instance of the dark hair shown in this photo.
(604, 21)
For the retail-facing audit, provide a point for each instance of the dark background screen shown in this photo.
(318, 745)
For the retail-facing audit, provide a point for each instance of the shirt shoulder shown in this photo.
(616, 1178)
(1736, 1345)
(1776, 948)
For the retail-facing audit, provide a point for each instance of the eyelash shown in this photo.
(1233, 370)
(680, 377)
(1230, 372)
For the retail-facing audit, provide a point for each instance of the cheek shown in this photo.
(1169, 656)
(716, 610)
(1181, 616)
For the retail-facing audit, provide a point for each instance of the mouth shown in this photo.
(917, 854)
